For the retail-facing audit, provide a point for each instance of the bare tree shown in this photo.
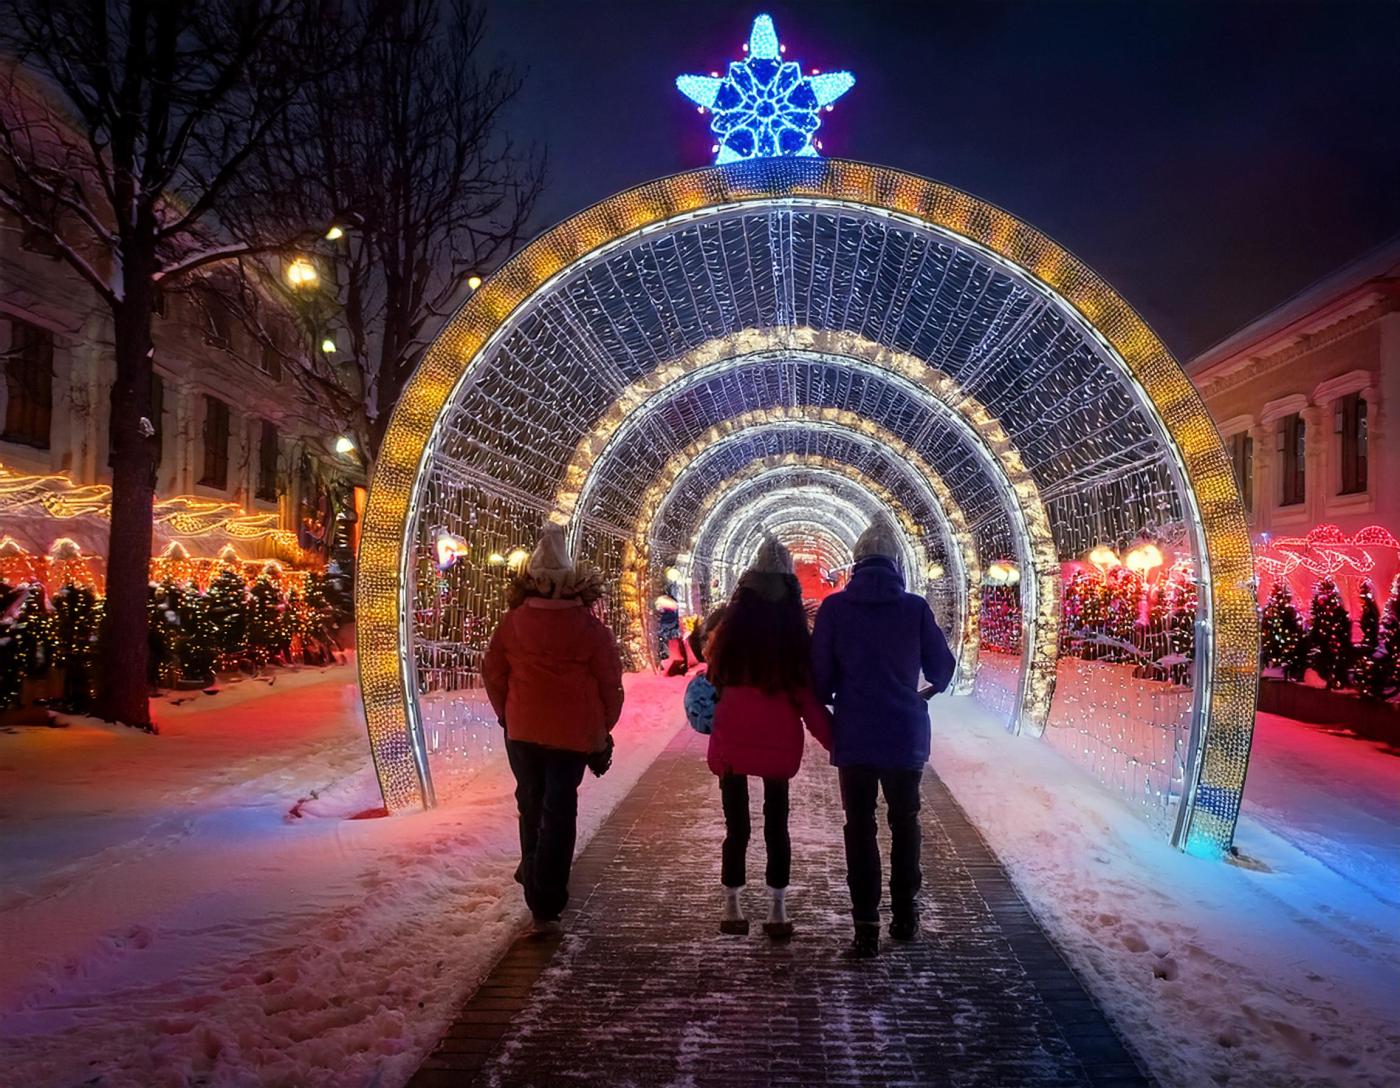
(139, 177)
(409, 152)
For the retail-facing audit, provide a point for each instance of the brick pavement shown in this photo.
(642, 990)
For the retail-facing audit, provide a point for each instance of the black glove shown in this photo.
(598, 762)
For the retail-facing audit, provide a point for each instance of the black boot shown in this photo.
(866, 944)
(904, 925)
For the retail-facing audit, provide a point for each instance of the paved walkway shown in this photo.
(642, 990)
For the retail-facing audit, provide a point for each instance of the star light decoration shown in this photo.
(764, 107)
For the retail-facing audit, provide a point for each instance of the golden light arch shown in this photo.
(1227, 626)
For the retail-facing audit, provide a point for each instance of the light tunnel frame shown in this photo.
(936, 391)
(966, 570)
(1227, 625)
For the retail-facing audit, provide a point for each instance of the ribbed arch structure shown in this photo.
(659, 372)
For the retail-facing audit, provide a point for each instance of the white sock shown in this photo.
(732, 911)
(777, 907)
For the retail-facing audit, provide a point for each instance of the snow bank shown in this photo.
(166, 921)
(1280, 972)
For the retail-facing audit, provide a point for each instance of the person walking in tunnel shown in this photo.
(554, 678)
(869, 644)
(759, 661)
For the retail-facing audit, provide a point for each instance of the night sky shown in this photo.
(1208, 159)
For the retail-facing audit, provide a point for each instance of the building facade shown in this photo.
(1306, 398)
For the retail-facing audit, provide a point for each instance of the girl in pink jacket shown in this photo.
(759, 663)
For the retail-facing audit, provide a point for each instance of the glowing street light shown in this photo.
(344, 446)
(334, 234)
(328, 346)
(516, 559)
(301, 274)
(473, 281)
(673, 574)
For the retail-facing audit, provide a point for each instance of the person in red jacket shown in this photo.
(554, 678)
(759, 663)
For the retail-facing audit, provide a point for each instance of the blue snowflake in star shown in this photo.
(764, 106)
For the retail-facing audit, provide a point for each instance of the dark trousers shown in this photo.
(734, 796)
(546, 793)
(860, 788)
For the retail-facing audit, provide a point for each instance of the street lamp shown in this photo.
(344, 446)
(335, 233)
(473, 281)
(1103, 557)
(328, 346)
(1144, 559)
(301, 274)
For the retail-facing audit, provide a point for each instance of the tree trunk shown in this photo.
(123, 692)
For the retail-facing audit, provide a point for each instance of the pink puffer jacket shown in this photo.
(761, 734)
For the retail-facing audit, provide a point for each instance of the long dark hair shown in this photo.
(763, 640)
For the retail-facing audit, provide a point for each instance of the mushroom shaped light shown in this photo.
(516, 559)
(1144, 559)
(1104, 558)
(673, 575)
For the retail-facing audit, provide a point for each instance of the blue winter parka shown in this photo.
(869, 644)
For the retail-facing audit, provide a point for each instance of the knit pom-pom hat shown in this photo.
(551, 572)
(878, 539)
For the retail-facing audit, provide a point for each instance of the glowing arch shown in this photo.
(1145, 373)
(966, 573)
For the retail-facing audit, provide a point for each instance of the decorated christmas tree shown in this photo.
(1124, 606)
(227, 605)
(199, 639)
(27, 637)
(267, 633)
(77, 613)
(164, 624)
(1284, 639)
(1329, 636)
(1390, 638)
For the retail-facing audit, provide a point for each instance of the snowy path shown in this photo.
(165, 920)
(644, 991)
(1283, 974)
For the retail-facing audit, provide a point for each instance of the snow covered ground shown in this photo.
(166, 919)
(1281, 972)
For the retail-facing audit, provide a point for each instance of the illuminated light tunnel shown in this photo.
(798, 344)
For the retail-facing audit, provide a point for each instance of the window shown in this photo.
(1351, 426)
(267, 463)
(156, 417)
(272, 360)
(42, 195)
(28, 385)
(1292, 444)
(1242, 458)
(218, 315)
(215, 443)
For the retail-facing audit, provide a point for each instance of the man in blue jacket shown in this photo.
(869, 644)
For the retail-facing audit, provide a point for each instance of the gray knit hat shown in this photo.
(879, 539)
(772, 558)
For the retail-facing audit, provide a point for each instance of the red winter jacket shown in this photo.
(761, 734)
(553, 675)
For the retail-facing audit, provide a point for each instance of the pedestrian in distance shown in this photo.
(869, 644)
(554, 678)
(759, 662)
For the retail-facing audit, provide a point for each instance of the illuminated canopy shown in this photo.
(627, 370)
